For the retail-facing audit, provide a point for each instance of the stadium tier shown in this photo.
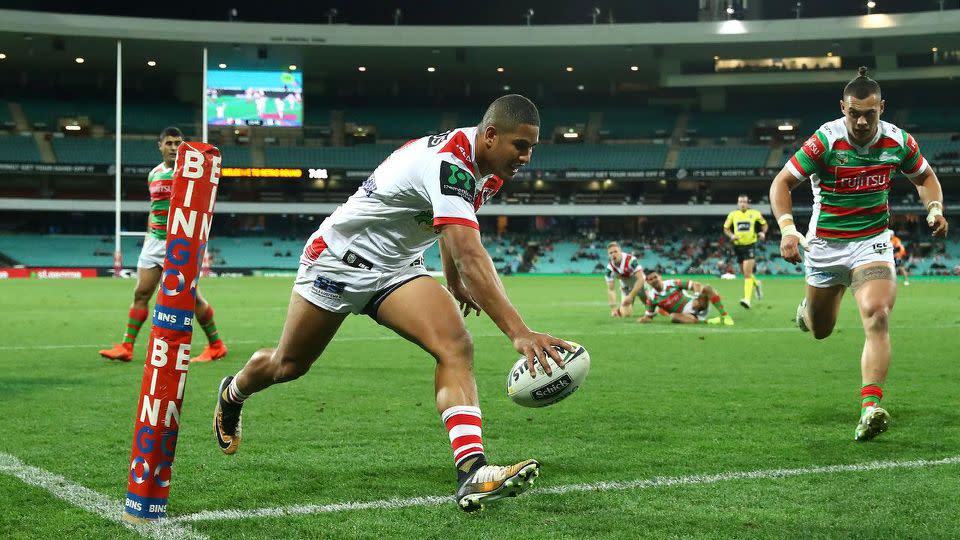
(361, 156)
(19, 148)
(396, 122)
(598, 156)
(723, 156)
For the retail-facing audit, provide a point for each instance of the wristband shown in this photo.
(791, 230)
(784, 218)
(934, 209)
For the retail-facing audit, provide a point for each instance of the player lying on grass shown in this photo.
(150, 263)
(851, 162)
(368, 258)
(626, 268)
(684, 301)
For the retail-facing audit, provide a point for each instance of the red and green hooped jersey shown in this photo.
(160, 181)
(851, 184)
(671, 298)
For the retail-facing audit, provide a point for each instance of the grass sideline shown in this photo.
(661, 401)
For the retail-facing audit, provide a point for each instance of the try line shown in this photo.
(657, 482)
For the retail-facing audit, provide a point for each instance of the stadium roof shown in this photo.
(488, 12)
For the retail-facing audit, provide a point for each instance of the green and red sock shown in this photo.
(715, 300)
(870, 396)
(209, 327)
(135, 320)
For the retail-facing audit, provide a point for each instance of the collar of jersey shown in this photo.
(865, 148)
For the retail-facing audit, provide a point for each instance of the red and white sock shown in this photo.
(463, 424)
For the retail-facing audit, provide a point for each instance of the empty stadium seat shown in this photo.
(723, 156)
(19, 148)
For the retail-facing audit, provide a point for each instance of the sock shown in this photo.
(463, 424)
(233, 394)
(748, 289)
(719, 305)
(870, 396)
(209, 327)
(135, 320)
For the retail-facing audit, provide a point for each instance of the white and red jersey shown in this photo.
(627, 270)
(396, 214)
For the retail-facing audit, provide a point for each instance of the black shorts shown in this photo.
(898, 262)
(744, 253)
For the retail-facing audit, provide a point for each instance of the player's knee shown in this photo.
(455, 348)
(141, 296)
(876, 317)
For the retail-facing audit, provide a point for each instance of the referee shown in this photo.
(741, 228)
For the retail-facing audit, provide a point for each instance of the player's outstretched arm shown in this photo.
(931, 193)
(482, 282)
(781, 203)
(612, 299)
(637, 287)
(455, 283)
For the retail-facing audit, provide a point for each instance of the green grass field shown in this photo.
(661, 401)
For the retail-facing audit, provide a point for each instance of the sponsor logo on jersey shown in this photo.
(456, 182)
(863, 179)
(435, 140)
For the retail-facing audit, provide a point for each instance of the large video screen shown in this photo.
(254, 98)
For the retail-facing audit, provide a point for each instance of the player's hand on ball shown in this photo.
(535, 346)
(939, 226)
(464, 298)
(790, 248)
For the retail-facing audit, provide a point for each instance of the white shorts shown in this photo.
(701, 314)
(828, 263)
(153, 253)
(330, 283)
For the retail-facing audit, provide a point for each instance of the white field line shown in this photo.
(657, 482)
(92, 501)
(666, 330)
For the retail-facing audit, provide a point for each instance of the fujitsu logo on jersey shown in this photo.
(865, 179)
(163, 187)
(814, 145)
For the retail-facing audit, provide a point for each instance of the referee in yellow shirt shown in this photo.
(741, 228)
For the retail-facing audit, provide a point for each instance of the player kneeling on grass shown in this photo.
(368, 258)
(851, 162)
(673, 296)
(627, 269)
(150, 263)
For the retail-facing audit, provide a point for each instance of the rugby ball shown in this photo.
(545, 389)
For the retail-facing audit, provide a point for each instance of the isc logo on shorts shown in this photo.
(880, 247)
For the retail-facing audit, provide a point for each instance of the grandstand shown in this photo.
(654, 142)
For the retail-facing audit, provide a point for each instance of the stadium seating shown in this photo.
(598, 156)
(6, 119)
(723, 156)
(361, 156)
(932, 120)
(47, 112)
(397, 122)
(19, 148)
(636, 123)
(720, 124)
(940, 149)
(151, 118)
